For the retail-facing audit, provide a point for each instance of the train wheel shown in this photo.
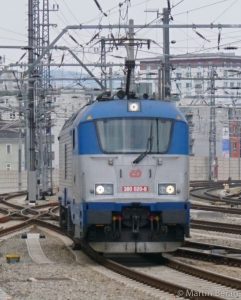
(63, 218)
(70, 224)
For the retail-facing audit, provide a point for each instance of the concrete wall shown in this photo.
(198, 168)
(9, 181)
(227, 167)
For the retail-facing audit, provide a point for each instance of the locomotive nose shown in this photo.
(133, 180)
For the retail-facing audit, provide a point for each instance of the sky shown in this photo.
(14, 20)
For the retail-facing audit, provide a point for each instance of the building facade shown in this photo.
(192, 76)
(12, 158)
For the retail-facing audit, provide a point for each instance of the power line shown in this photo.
(199, 8)
(224, 11)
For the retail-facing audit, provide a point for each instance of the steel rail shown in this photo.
(216, 226)
(210, 252)
(208, 246)
(200, 273)
(209, 256)
(228, 210)
(204, 193)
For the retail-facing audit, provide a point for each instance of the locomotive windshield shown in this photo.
(134, 135)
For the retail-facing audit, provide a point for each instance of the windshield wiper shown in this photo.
(148, 145)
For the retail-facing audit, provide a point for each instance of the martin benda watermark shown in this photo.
(216, 293)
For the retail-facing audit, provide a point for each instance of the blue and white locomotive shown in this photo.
(124, 176)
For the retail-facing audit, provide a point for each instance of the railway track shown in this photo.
(207, 193)
(210, 184)
(158, 283)
(210, 252)
(12, 211)
(226, 210)
(127, 272)
(111, 265)
(216, 226)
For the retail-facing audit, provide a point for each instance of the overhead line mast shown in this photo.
(30, 145)
(212, 174)
(39, 139)
(45, 102)
(166, 78)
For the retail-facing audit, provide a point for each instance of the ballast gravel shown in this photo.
(66, 278)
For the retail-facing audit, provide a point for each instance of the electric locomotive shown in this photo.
(124, 175)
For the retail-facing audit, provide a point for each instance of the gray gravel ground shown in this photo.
(65, 278)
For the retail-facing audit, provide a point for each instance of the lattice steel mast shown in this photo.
(46, 163)
(39, 115)
(212, 130)
(33, 46)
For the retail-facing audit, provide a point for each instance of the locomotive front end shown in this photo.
(136, 186)
(124, 176)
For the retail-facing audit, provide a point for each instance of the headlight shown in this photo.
(104, 189)
(167, 189)
(134, 106)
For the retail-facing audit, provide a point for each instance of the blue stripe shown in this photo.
(119, 108)
(155, 206)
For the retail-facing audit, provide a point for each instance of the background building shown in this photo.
(12, 158)
(192, 74)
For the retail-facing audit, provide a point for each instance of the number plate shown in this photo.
(135, 189)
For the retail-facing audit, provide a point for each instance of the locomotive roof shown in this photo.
(119, 108)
